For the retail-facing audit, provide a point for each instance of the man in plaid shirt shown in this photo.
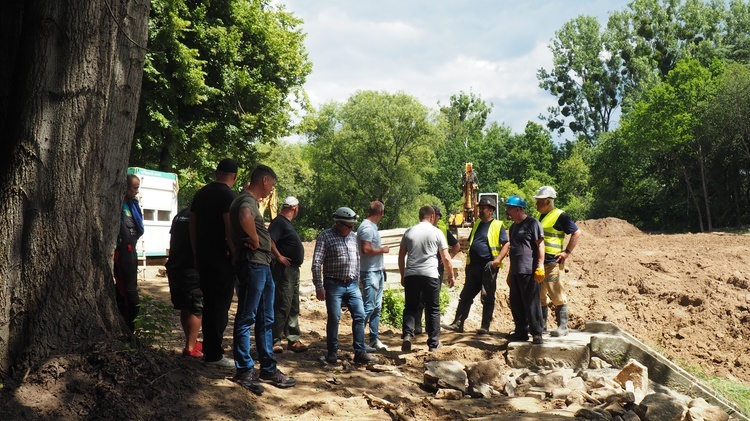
(335, 269)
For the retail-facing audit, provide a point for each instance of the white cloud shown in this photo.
(435, 49)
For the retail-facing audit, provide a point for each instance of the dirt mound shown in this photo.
(608, 227)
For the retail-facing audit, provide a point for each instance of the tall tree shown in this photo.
(376, 146)
(220, 77)
(463, 122)
(70, 76)
(667, 123)
(726, 122)
(586, 77)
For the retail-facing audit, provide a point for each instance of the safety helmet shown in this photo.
(516, 200)
(488, 201)
(545, 192)
(344, 214)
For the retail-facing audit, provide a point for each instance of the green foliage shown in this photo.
(409, 213)
(152, 325)
(392, 313)
(219, 77)
(733, 391)
(376, 146)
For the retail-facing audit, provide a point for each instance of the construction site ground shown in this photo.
(685, 295)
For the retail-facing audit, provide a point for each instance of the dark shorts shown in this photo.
(185, 291)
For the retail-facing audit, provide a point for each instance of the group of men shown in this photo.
(536, 273)
(221, 244)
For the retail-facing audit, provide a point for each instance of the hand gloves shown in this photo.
(539, 275)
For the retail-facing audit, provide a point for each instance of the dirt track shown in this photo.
(685, 295)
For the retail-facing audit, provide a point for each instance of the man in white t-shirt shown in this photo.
(419, 276)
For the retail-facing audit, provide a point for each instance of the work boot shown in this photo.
(457, 325)
(562, 321)
(545, 312)
(332, 357)
(486, 319)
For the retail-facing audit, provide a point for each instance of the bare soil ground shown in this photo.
(685, 295)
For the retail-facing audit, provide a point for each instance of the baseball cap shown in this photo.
(290, 202)
(437, 210)
(228, 165)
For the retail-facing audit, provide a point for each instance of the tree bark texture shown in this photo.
(70, 77)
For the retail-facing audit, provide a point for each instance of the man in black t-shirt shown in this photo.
(526, 271)
(285, 270)
(212, 248)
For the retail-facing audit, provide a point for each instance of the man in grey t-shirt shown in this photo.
(255, 286)
(372, 271)
(419, 276)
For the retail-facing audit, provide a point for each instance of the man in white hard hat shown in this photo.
(556, 225)
(288, 257)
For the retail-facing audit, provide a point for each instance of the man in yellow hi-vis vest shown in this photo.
(556, 224)
(488, 246)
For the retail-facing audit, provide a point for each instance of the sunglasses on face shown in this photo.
(350, 226)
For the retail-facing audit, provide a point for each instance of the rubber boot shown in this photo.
(562, 321)
(457, 325)
(486, 320)
(545, 312)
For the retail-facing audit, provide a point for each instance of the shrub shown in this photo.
(392, 313)
(153, 321)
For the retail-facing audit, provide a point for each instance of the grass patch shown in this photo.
(737, 393)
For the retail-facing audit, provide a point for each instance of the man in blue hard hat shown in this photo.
(526, 271)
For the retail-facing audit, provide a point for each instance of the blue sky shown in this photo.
(434, 49)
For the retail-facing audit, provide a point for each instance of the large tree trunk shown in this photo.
(70, 77)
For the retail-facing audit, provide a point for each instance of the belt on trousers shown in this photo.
(343, 281)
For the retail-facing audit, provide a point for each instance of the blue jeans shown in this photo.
(373, 283)
(336, 293)
(255, 294)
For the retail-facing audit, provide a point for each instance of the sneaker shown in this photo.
(518, 337)
(406, 344)
(194, 353)
(198, 345)
(537, 339)
(379, 346)
(224, 362)
(332, 358)
(297, 346)
(249, 380)
(483, 331)
(365, 358)
(436, 347)
(278, 349)
(278, 379)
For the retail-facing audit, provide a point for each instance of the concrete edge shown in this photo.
(661, 370)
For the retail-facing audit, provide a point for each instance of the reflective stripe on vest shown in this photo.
(553, 239)
(493, 237)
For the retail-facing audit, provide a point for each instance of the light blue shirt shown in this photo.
(368, 231)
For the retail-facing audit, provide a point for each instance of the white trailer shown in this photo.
(158, 198)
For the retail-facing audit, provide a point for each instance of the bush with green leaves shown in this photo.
(153, 323)
(392, 313)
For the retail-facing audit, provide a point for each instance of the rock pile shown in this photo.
(596, 393)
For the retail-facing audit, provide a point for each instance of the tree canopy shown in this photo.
(220, 77)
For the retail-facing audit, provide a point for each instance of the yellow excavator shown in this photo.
(470, 187)
(470, 206)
